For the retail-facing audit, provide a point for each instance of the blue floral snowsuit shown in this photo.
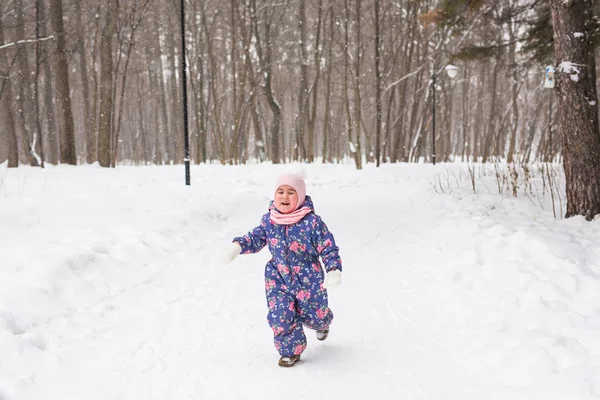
(294, 276)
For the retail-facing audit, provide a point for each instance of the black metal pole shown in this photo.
(433, 115)
(186, 142)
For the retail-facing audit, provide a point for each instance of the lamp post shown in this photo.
(452, 71)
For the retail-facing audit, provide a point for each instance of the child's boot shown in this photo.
(286, 361)
(322, 334)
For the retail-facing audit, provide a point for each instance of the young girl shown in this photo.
(294, 280)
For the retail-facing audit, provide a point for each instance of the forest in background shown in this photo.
(86, 81)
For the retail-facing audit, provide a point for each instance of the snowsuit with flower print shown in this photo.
(294, 276)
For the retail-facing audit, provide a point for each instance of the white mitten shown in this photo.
(228, 253)
(333, 279)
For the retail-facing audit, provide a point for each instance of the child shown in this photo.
(294, 280)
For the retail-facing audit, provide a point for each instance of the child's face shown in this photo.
(286, 199)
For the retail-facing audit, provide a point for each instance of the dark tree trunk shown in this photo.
(23, 71)
(356, 84)
(377, 86)
(175, 105)
(37, 139)
(327, 123)
(273, 103)
(90, 146)
(106, 85)
(63, 96)
(577, 105)
(7, 124)
(317, 53)
(51, 137)
(300, 120)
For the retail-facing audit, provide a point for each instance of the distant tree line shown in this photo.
(87, 81)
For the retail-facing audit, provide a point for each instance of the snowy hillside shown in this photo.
(109, 288)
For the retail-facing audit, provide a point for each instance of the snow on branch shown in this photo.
(572, 69)
(7, 45)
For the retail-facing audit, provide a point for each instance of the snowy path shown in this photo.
(444, 297)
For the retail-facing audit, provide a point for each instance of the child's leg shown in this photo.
(287, 328)
(314, 311)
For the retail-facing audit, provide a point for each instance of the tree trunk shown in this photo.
(24, 99)
(142, 127)
(577, 104)
(38, 146)
(63, 95)
(273, 103)
(95, 74)
(234, 149)
(326, 152)
(512, 57)
(311, 148)
(90, 147)
(377, 87)
(200, 103)
(467, 146)
(264, 51)
(300, 120)
(176, 106)
(106, 85)
(213, 81)
(7, 125)
(254, 101)
(157, 83)
(51, 137)
(356, 86)
(137, 15)
(489, 141)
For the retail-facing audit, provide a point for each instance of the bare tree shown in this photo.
(89, 137)
(326, 152)
(26, 109)
(198, 84)
(106, 85)
(6, 110)
(303, 95)
(352, 119)
(37, 138)
(63, 93)
(170, 22)
(356, 85)
(95, 83)
(514, 77)
(48, 107)
(264, 49)
(134, 19)
(377, 85)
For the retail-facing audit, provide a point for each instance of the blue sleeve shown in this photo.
(255, 240)
(326, 247)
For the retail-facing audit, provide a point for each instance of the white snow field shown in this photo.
(109, 288)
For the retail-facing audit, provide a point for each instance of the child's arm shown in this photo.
(326, 247)
(255, 240)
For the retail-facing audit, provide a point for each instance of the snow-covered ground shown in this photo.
(109, 288)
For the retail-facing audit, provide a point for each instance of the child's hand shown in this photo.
(229, 253)
(333, 279)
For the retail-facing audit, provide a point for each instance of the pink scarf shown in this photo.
(291, 218)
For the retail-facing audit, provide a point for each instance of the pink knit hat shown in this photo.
(294, 180)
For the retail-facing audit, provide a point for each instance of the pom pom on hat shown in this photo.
(295, 180)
